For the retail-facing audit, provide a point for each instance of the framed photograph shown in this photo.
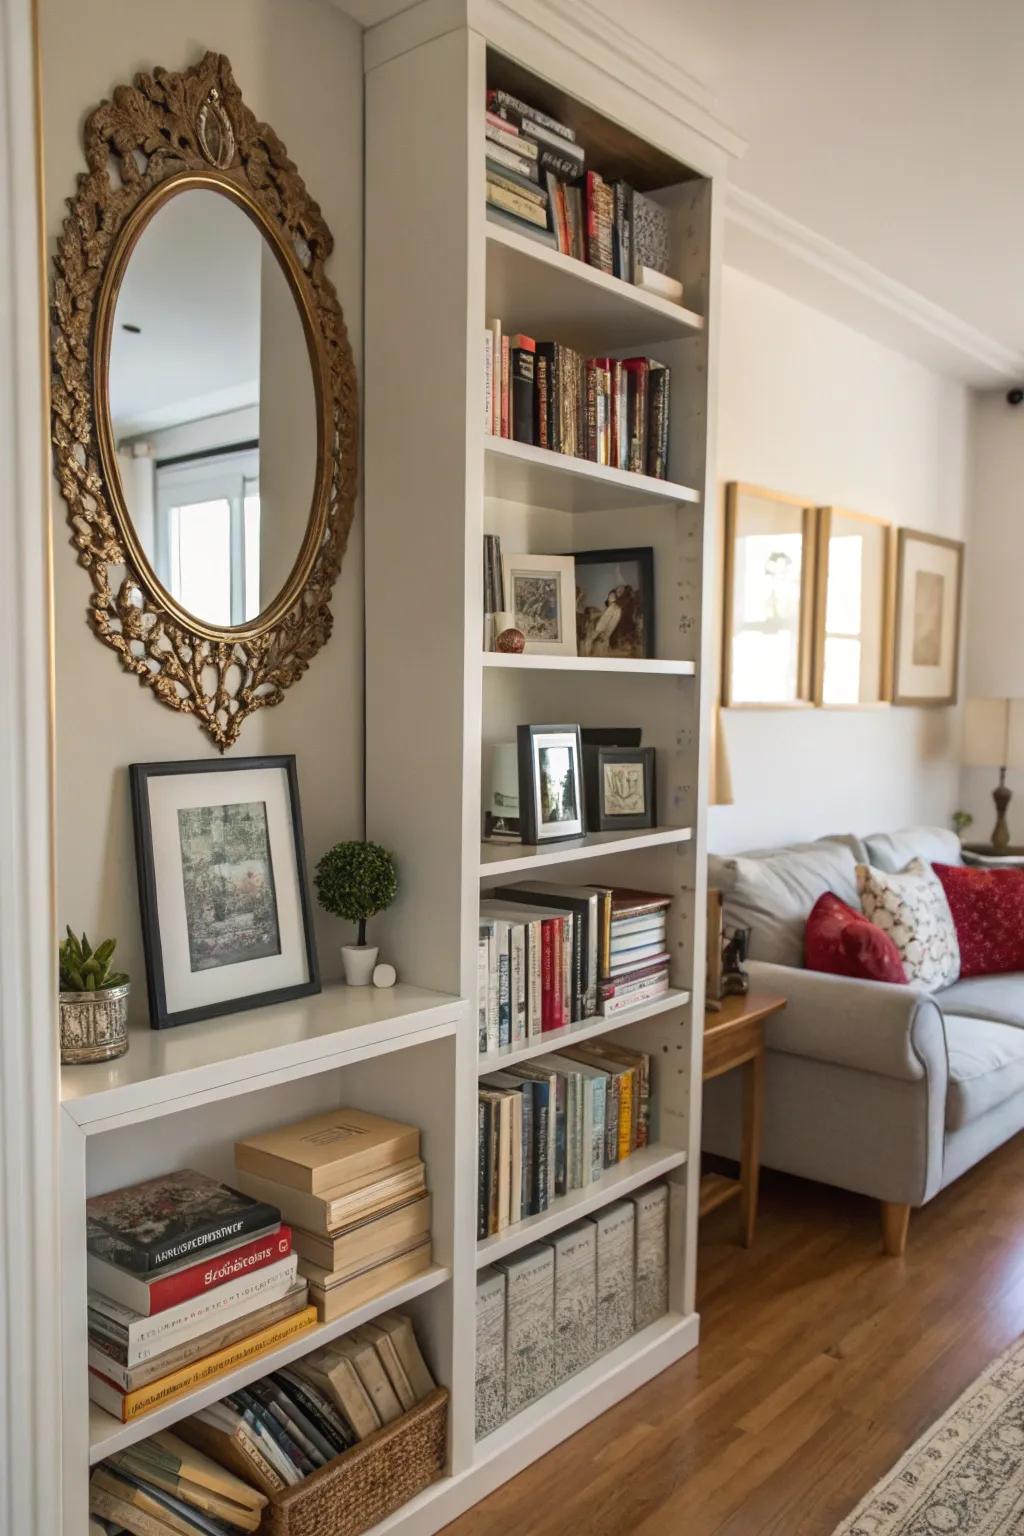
(853, 613)
(222, 886)
(620, 787)
(551, 803)
(768, 620)
(615, 603)
(539, 591)
(929, 579)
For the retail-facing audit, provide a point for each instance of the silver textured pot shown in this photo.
(94, 1025)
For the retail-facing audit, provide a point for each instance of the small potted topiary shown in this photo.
(356, 881)
(93, 1001)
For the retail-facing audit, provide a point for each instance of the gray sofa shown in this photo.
(886, 1090)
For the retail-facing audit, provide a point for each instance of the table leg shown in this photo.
(750, 1153)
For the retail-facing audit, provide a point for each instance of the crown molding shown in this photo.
(780, 250)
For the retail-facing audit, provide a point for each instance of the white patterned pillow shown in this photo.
(911, 907)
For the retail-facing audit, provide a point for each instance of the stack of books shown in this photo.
(609, 410)
(550, 955)
(555, 1124)
(187, 1279)
(353, 1187)
(548, 1311)
(537, 185)
(164, 1484)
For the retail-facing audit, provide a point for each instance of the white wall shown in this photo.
(811, 407)
(299, 66)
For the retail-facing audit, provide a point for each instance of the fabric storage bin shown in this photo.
(364, 1485)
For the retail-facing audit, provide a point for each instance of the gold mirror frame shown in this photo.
(156, 138)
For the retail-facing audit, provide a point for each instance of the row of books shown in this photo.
(551, 954)
(554, 1124)
(548, 1311)
(609, 410)
(537, 184)
(217, 1472)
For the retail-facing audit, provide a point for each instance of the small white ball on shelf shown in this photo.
(384, 975)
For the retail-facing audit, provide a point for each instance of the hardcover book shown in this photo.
(529, 1325)
(334, 1372)
(333, 1301)
(575, 1251)
(326, 1150)
(615, 1242)
(334, 1209)
(233, 1447)
(651, 1254)
(145, 1227)
(490, 1351)
(402, 1335)
(169, 1287)
(352, 1247)
(363, 1356)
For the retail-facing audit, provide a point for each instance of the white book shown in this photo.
(634, 995)
(490, 1351)
(654, 921)
(594, 1084)
(511, 141)
(529, 1325)
(518, 979)
(615, 1256)
(650, 1254)
(494, 326)
(530, 919)
(657, 282)
(483, 987)
(488, 379)
(625, 959)
(489, 934)
(575, 1250)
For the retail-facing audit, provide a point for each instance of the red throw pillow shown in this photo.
(846, 943)
(988, 914)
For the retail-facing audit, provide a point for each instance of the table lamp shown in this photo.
(994, 738)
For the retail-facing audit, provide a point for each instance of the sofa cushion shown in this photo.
(986, 1067)
(1000, 998)
(773, 893)
(988, 911)
(893, 851)
(911, 907)
(843, 942)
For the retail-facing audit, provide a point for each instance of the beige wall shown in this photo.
(299, 66)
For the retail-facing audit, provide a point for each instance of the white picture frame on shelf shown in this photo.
(540, 591)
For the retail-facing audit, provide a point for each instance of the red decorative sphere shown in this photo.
(511, 641)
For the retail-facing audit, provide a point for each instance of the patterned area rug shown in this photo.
(965, 1477)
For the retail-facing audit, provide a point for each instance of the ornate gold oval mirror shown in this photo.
(204, 397)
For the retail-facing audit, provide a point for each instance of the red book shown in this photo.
(547, 962)
(558, 1019)
(178, 1285)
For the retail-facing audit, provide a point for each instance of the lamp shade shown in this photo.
(994, 733)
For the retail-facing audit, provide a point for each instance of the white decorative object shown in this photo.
(911, 907)
(358, 962)
(384, 975)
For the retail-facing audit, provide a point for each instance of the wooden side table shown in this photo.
(734, 1037)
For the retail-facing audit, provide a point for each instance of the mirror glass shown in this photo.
(213, 408)
(853, 644)
(770, 550)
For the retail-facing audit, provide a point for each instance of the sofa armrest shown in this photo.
(870, 1026)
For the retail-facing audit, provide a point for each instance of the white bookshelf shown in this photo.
(437, 270)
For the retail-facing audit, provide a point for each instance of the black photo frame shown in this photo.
(601, 814)
(631, 636)
(539, 828)
(170, 935)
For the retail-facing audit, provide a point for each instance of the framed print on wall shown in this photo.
(540, 592)
(551, 800)
(226, 920)
(929, 581)
(768, 598)
(856, 564)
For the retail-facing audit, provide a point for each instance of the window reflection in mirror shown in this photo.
(855, 555)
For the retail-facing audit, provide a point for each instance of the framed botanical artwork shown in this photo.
(539, 591)
(856, 566)
(620, 787)
(768, 598)
(929, 582)
(615, 603)
(222, 886)
(551, 799)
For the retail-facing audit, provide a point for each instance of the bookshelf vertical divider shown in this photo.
(433, 711)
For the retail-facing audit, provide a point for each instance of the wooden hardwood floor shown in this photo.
(820, 1363)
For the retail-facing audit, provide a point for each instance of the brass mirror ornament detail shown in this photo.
(156, 138)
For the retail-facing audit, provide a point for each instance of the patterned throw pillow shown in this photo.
(912, 909)
(988, 911)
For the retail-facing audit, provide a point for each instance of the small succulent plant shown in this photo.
(84, 969)
(961, 821)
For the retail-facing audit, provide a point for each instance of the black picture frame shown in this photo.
(611, 735)
(140, 777)
(531, 740)
(641, 556)
(595, 760)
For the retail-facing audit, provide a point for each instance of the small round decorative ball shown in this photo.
(384, 975)
(511, 641)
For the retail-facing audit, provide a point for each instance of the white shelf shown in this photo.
(539, 478)
(572, 1034)
(107, 1434)
(638, 1168)
(653, 667)
(522, 858)
(172, 1069)
(537, 290)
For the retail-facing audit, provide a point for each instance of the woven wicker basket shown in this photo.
(364, 1485)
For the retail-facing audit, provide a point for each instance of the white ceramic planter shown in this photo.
(358, 961)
